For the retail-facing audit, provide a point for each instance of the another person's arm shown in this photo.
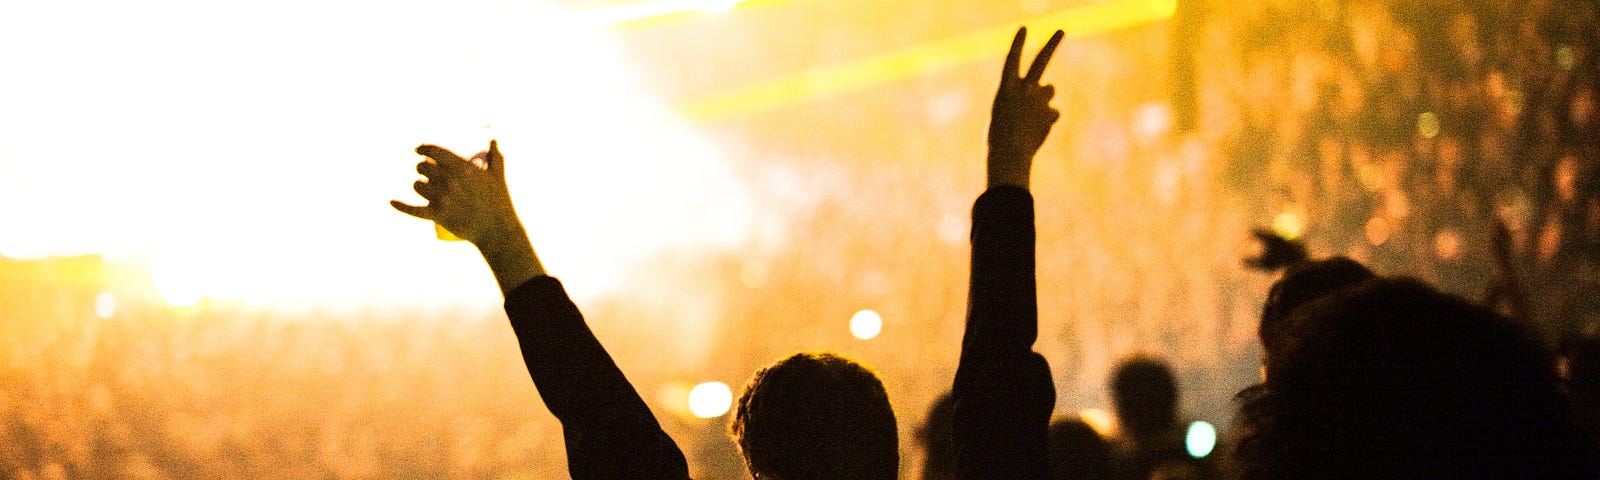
(1003, 390)
(609, 431)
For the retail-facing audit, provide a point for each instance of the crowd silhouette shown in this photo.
(1361, 373)
(1363, 376)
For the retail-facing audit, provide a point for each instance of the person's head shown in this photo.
(1392, 379)
(1302, 284)
(1145, 396)
(817, 416)
(1077, 452)
(938, 438)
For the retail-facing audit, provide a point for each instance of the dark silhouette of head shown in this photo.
(1077, 452)
(817, 416)
(1303, 283)
(1145, 396)
(1392, 379)
(938, 438)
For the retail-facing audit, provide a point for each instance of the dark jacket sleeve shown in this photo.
(609, 431)
(1003, 391)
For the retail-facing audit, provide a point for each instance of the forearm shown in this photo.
(511, 258)
(609, 431)
(1004, 392)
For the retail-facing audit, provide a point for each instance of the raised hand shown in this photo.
(1277, 252)
(472, 202)
(1022, 115)
(469, 201)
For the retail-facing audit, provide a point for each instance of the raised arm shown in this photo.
(609, 431)
(1003, 390)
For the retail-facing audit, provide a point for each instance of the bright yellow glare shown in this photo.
(179, 282)
(900, 64)
(154, 134)
(710, 399)
(640, 14)
(866, 324)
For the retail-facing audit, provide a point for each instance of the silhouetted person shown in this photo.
(1152, 438)
(810, 416)
(1003, 391)
(1077, 452)
(1392, 379)
(817, 416)
(937, 436)
(1303, 283)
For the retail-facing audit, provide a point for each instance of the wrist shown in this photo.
(1008, 170)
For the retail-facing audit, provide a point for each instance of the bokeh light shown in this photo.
(1200, 439)
(1428, 125)
(866, 324)
(105, 305)
(710, 399)
(1100, 420)
(1290, 224)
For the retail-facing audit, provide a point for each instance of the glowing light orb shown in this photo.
(1377, 230)
(710, 399)
(1100, 420)
(866, 324)
(105, 305)
(1447, 244)
(1201, 439)
(1428, 125)
(1289, 224)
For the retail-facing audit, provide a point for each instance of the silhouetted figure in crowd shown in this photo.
(1004, 393)
(937, 436)
(809, 416)
(1077, 452)
(817, 416)
(1392, 379)
(1303, 283)
(1145, 395)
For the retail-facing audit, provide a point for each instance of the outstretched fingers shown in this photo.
(1036, 70)
(1014, 58)
(444, 158)
(495, 161)
(412, 210)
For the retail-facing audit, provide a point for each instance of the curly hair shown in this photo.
(1392, 379)
(817, 416)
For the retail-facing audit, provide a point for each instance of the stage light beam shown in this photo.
(905, 63)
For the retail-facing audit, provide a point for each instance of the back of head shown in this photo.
(817, 416)
(1077, 452)
(1301, 284)
(1392, 379)
(1145, 395)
